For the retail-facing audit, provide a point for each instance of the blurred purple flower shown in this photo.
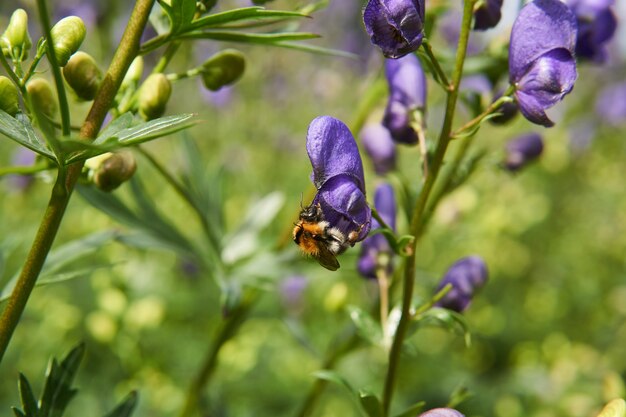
(522, 150)
(467, 275)
(21, 157)
(407, 95)
(596, 26)
(338, 177)
(291, 290)
(376, 245)
(488, 14)
(395, 26)
(541, 57)
(476, 83)
(611, 104)
(380, 147)
(442, 412)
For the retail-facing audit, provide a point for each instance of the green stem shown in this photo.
(439, 72)
(24, 170)
(32, 67)
(7, 67)
(506, 98)
(62, 190)
(418, 212)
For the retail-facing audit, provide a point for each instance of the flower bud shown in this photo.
(42, 97)
(110, 170)
(67, 36)
(15, 41)
(8, 96)
(153, 96)
(441, 412)
(467, 275)
(523, 150)
(83, 75)
(380, 147)
(223, 68)
(133, 75)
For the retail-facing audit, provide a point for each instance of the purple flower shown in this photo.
(407, 98)
(442, 412)
(291, 290)
(522, 150)
(596, 26)
(395, 26)
(380, 147)
(338, 177)
(611, 104)
(466, 275)
(374, 248)
(487, 15)
(541, 57)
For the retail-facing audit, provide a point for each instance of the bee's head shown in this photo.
(311, 214)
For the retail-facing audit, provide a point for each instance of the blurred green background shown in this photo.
(548, 330)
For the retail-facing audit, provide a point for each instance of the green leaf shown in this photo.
(27, 398)
(126, 407)
(615, 408)
(413, 410)
(450, 319)
(315, 49)
(57, 391)
(366, 326)
(253, 38)
(332, 376)
(18, 412)
(182, 12)
(246, 13)
(21, 131)
(370, 404)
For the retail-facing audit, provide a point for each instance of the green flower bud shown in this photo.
(222, 69)
(110, 170)
(42, 96)
(8, 96)
(153, 96)
(67, 35)
(133, 75)
(83, 75)
(15, 41)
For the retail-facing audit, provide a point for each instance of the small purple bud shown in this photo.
(467, 276)
(487, 15)
(395, 26)
(541, 57)
(441, 412)
(376, 245)
(611, 104)
(522, 150)
(407, 95)
(380, 147)
(596, 27)
(291, 290)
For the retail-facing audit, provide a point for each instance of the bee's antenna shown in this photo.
(301, 199)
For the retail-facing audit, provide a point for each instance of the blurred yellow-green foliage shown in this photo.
(548, 330)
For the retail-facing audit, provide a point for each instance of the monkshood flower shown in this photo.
(522, 150)
(407, 98)
(375, 250)
(380, 147)
(339, 215)
(541, 57)
(596, 26)
(467, 275)
(488, 14)
(442, 412)
(395, 26)
(611, 104)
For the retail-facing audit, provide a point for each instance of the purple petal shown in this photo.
(522, 150)
(407, 81)
(397, 119)
(395, 26)
(379, 145)
(344, 206)
(467, 275)
(385, 203)
(441, 412)
(593, 34)
(541, 26)
(333, 151)
(488, 15)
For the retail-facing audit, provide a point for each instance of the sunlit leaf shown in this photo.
(253, 38)
(450, 319)
(367, 327)
(237, 15)
(332, 376)
(615, 408)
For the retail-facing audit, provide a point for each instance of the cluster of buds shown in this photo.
(15, 41)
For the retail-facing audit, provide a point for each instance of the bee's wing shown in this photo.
(326, 258)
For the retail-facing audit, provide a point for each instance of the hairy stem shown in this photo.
(66, 181)
(418, 212)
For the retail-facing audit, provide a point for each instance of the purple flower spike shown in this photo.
(441, 412)
(541, 57)
(376, 245)
(596, 26)
(523, 150)
(380, 147)
(338, 176)
(611, 104)
(487, 15)
(407, 95)
(395, 26)
(466, 275)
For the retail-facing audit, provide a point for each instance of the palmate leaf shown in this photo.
(21, 131)
(238, 15)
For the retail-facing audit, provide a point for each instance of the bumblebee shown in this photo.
(317, 238)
